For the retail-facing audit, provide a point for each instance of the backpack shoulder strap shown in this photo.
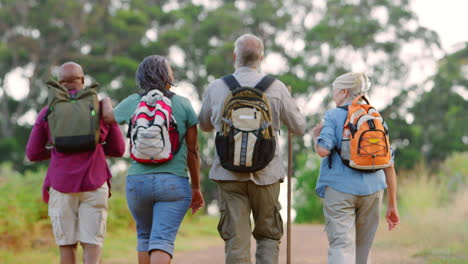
(265, 82)
(344, 107)
(231, 82)
(365, 99)
(169, 94)
(46, 116)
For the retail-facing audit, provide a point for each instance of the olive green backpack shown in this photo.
(73, 118)
(246, 141)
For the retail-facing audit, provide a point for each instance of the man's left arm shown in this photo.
(36, 148)
(290, 114)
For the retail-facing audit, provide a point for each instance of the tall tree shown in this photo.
(434, 126)
(313, 42)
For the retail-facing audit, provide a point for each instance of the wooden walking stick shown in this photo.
(288, 224)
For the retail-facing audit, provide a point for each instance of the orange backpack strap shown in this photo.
(363, 97)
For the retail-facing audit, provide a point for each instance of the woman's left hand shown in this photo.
(197, 200)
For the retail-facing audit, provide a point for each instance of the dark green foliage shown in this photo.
(21, 204)
(110, 38)
(307, 204)
(439, 125)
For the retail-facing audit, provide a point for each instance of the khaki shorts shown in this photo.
(79, 216)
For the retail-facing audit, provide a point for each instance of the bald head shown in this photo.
(70, 75)
(248, 51)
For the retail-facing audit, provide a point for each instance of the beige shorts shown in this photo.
(79, 216)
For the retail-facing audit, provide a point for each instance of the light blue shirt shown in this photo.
(339, 176)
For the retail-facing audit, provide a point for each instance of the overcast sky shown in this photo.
(448, 18)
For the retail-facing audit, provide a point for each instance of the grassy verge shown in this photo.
(120, 245)
(26, 235)
(434, 213)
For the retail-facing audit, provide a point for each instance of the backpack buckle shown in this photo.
(352, 129)
(371, 124)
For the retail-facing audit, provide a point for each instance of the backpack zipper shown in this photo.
(248, 104)
(247, 100)
(93, 114)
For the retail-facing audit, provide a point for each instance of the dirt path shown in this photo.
(309, 245)
(303, 251)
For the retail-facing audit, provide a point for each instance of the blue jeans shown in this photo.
(158, 203)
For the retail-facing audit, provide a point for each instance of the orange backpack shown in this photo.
(365, 144)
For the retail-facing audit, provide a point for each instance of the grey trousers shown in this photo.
(351, 223)
(237, 201)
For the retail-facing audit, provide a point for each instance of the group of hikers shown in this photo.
(245, 109)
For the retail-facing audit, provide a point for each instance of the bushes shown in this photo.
(24, 214)
(453, 175)
(421, 189)
(119, 216)
(418, 189)
(433, 211)
(307, 204)
(25, 230)
(22, 211)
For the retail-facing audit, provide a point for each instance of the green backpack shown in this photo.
(73, 119)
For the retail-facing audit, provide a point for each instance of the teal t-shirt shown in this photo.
(185, 117)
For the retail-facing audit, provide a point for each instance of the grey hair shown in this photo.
(357, 83)
(153, 73)
(249, 51)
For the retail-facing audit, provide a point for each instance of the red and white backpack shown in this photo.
(153, 129)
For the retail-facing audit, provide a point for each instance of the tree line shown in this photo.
(315, 41)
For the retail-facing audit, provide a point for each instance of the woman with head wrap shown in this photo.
(159, 195)
(351, 198)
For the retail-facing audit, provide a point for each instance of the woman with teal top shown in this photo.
(159, 196)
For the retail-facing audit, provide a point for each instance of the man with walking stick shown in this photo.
(245, 109)
(288, 222)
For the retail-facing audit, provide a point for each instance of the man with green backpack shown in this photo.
(71, 133)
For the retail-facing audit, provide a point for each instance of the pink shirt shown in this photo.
(74, 172)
